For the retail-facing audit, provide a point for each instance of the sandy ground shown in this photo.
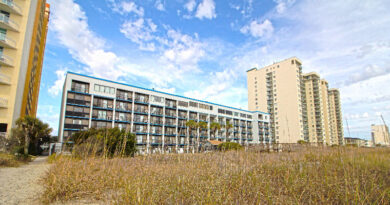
(22, 185)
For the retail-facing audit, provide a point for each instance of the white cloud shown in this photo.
(206, 9)
(69, 22)
(55, 89)
(140, 32)
(126, 7)
(190, 5)
(159, 5)
(257, 29)
(282, 5)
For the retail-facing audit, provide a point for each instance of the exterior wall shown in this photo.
(276, 89)
(380, 135)
(337, 136)
(248, 127)
(325, 109)
(314, 107)
(37, 49)
(355, 141)
(14, 61)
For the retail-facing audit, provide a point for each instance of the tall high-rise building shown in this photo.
(276, 89)
(314, 108)
(335, 117)
(302, 107)
(380, 135)
(326, 110)
(23, 29)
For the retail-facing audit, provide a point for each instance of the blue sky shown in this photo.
(202, 48)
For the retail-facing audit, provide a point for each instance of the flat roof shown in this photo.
(119, 83)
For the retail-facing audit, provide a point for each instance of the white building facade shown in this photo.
(158, 119)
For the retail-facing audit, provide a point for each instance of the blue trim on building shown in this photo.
(69, 72)
(68, 116)
(68, 129)
(101, 120)
(78, 105)
(101, 96)
(167, 116)
(71, 91)
(126, 111)
(123, 100)
(141, 113)
(140, 123)
(119, 121)
(102, 108)
(160, 106)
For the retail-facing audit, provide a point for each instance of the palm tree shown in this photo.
(30, 129)
(214, 126)
(191, 124)
(201, 126)
(228, 126)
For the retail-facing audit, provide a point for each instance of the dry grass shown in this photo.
(325, 176)
(9, 160)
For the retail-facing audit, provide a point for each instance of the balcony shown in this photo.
(5, 60)
(3, 103)
(10, 7)
(5, 79)
(7, 42)
(7, 23)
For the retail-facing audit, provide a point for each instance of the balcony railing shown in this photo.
(10, 6)
(5, 79)
(3, 103)
(6, 60)
(6, 41)
(7, 23)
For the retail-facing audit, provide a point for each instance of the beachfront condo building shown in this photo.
(380, 135)
(276, 89)
(335, 117)
(301, 106)
(23, 29)
(157, 118)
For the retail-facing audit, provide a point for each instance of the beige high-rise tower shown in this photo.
(326, 110)
(276, 89)
(23, 29)
(315, 104)
(302, 107)
(335, 117)
(380, 135)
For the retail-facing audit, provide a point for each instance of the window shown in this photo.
(104, 89)
(193, 104)
(157, 99)
(183, 104)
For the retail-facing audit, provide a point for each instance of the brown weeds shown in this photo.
(312, 176)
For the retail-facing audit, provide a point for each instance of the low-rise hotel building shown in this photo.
(158, 119)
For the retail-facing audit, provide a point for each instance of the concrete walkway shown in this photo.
(22, 185)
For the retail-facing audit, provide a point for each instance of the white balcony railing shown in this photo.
(7, 23)
(6, 41)
(5, 79)
(6, 60)
(3, 103)
(10, 6)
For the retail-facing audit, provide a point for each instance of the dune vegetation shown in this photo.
(336, 175)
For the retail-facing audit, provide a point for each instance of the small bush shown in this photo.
(104, 142)
(226, 146)
(302, 142)
(9, 160)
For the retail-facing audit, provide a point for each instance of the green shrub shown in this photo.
(104, 142)
(302, 142)
(226, 146)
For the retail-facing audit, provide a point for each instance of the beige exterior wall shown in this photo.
(335, 117)
(325, 109)
(14, 59)
(315, 108)
(380, 135)
(277, 89)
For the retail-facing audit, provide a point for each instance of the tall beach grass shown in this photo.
(310, 176)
